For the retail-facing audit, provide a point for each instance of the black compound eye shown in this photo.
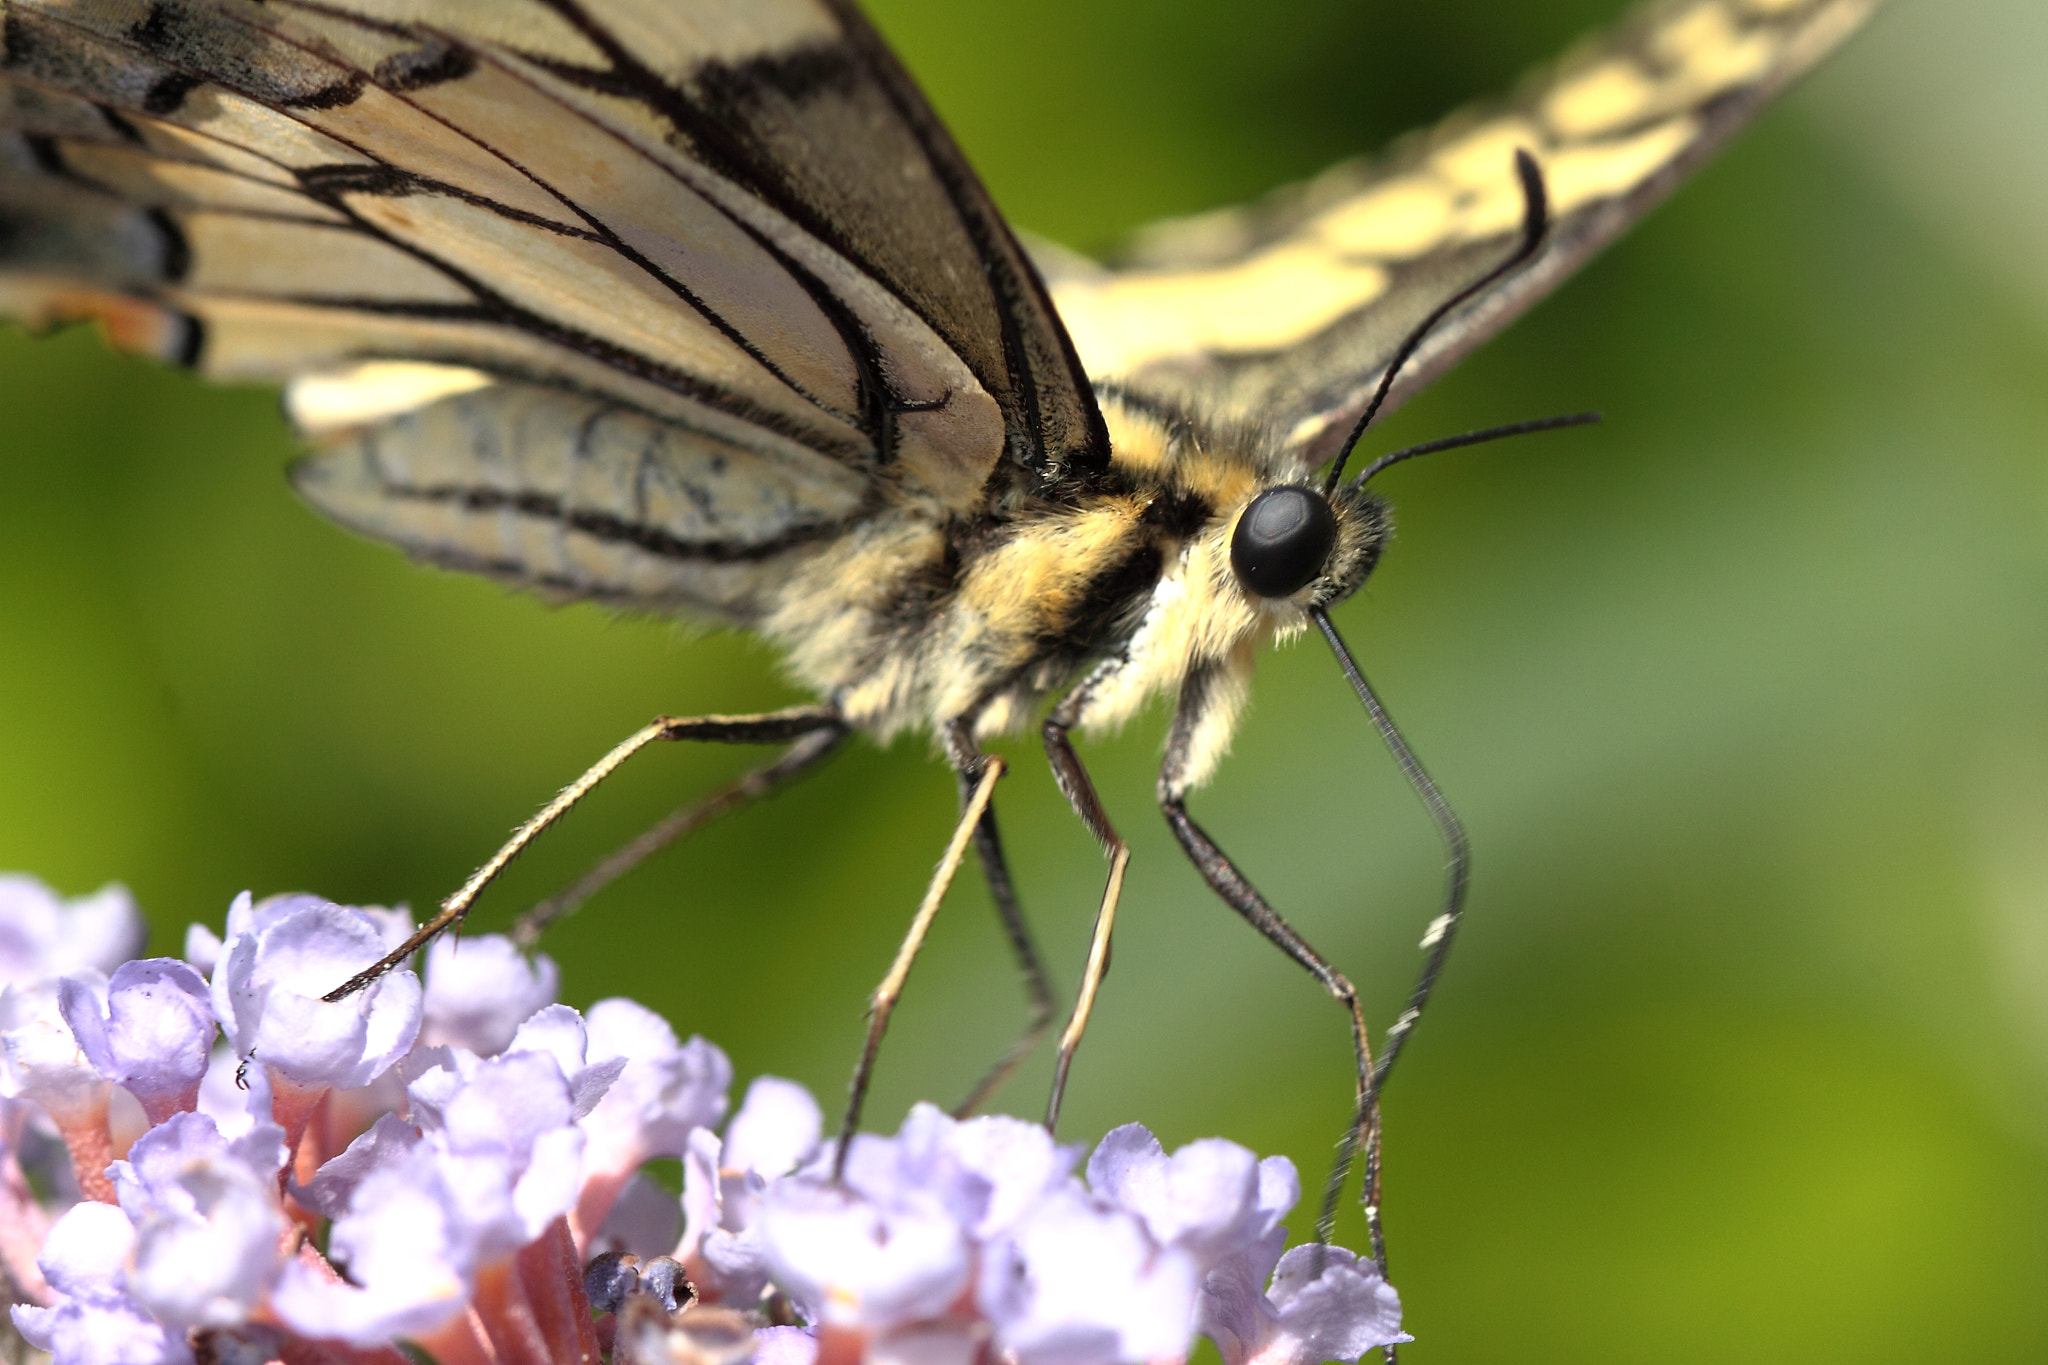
(1282, 540)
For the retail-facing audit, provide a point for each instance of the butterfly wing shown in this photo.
(733, 237)
(1286, 313)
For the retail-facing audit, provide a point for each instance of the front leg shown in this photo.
(1196, 697)
(773, 727)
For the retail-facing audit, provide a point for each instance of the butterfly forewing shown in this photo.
(739, 220)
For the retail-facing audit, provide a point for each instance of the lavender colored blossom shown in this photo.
(1077, 1282)
(43, 935)
(151, 1033)
(561, 1033)
(493, 1145)
(1209, 1198)
(40, 1059)
(281, 956)
(418, 1214)
(94, 1321)
(481, 989)
(777, 1127)
(405, 1245)
(645, 1220)
(666, 1089)
(1324, 1304)
(209, 1233)
(849, 1260)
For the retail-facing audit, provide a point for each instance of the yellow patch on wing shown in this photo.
(326, 402)
(1266, 301)
(1606, 125)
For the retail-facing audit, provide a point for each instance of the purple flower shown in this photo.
(43, 935)
(406, 1249)
(645, 1221)
(666, 1090)
(500, 1144)
(41, 1064)
(280, 958)
(560, 1032)
(151, 1034)
(989, 1170)
(40, 1059)
(1079, 1283)
(209, 1232)
(480, 990)
(1305, 1317)
(778, 1125)
(94, 1321)
(417, 1217)
(847, 1260)
(1211, 1198)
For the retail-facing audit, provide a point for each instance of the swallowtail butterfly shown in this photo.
(694, 306)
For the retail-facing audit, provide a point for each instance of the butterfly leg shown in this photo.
(798, 759)
(967, 760)
(883, 1002)
(769, 728)
(1079, 789)
(1237, 891)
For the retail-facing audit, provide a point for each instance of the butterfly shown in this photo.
(694, 306)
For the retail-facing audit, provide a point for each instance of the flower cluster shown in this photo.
(202, 1160)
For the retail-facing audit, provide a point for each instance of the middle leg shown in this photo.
(1079, 789)
(967, 760)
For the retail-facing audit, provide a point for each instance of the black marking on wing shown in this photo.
(190, 346)
(327, 183)
(190, 38)
(121, 127)
(722, 119)
(177, 252)
(613, 529)
(422, 67)
(47, 155)
(168, 94)
(1011, 273)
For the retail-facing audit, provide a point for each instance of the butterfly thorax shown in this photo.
(921, 619)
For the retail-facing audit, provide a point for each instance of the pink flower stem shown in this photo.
(23, 1225)
(158, 1108)
(551, 1277)
(594, 1202)
(293, 1107)
(84, 1130)
(508, 1318)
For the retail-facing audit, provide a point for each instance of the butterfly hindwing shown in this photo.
(1286, 313)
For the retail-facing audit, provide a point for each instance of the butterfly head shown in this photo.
(1295, 545)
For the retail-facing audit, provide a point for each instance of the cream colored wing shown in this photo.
(741, 218)
(1287, 312)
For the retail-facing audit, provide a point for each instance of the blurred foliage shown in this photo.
(1741, 695)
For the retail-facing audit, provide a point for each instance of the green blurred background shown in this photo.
(1743, 695)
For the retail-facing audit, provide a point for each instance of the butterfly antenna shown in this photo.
(1473, 438)
(1535, 225)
